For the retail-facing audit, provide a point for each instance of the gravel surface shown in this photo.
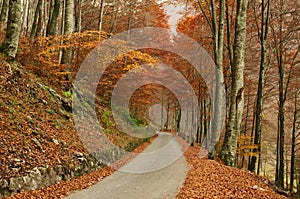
(157, 173)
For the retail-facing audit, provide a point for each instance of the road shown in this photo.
(157, 173)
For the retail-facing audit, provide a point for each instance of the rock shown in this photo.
(41, 177)
(4, 184)
(78, 154)
(38, 144)
(255, 187)
(27, 183)
(55, 141)
(16, 184)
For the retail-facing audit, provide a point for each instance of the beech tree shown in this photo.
(10, 45)
(4, 12)
(263, 36)
(216, 25)
(69, 24)
(53, 19)
(233, 130)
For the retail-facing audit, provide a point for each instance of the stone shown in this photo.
(55, 141)
(78, 154)
(4, 184)
(16, 184)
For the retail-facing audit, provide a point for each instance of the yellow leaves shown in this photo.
(203, 4)
(63, 73)
(251, 154)
(135, 60)
(246, 146)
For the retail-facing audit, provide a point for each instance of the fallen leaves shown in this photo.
(211, 179)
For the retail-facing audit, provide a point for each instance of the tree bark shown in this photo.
(228, 153)
(68, 29)
(78, 15)
(4, 13)
(101, 13)
(218, 101)
(52, 26)
(10, 45)
(262, 75)
(36, 19)
(40, 24)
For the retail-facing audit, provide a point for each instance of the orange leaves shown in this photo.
(209, 179)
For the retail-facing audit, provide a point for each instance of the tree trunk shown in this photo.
(78, 15)
(281, 116)
(10, 45)
(101, 13)
(40, 24)
(24, 27)
(262, 74)
(228, 153)
(68, 29)
(218, 101)
(36, 19)
(52, 26)
(217, 119)
(293, 153)
(4, 13)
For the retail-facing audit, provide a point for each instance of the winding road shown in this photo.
(157, 173)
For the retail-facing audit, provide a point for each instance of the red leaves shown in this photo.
(210, 179)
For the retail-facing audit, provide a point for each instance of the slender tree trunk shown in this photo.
(218, 40)
(40, 24)
(101, 13)
(4, 13)
(36, 19)
(1, 3)
(52, 26)
(229, 147)
(10, 45)
(68, 29)
(78, 15)
(24, 27)
(281, 116)
(293, 155)
(217, 118)
(114, 17)
(262, 74)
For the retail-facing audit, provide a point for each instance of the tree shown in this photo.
(68, 28)
(4, 12)
(295, 135)
(53, 19)
(101, 13)
(36, 19)
(10, 45)
(229, 147)
(217, 28)
(263, 34)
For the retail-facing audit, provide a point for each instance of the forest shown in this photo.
(87, 85)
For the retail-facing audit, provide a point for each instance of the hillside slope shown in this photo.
(36, 130)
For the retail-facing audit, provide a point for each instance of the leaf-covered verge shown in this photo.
(212, 179)
(66, 187)
(35, 128)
